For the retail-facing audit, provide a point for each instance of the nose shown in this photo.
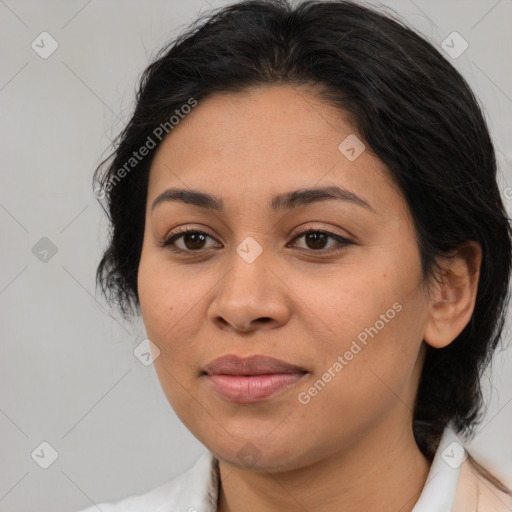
(250, 296)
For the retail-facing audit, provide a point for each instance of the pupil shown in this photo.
(193, 236)
(313, 237)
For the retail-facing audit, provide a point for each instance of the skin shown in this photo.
(351, 447)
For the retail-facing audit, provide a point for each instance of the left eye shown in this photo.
(318, 239)
(193, 240)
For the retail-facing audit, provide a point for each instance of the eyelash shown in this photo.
(168, 242)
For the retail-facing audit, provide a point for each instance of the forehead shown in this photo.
(257, 143)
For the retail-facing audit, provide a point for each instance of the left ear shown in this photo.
(453, 302)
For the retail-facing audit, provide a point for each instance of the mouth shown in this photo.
(251, 379)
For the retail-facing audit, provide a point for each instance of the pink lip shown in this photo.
(251, 379)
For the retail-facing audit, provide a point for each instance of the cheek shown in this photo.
(171, 301)
(366, 373)
(162, 308)
(345, 303)
(165, 293)
(373, 322)
(160, 305)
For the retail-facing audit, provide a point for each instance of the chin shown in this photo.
(260, 455)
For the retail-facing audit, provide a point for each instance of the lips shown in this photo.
(253, 365)
(251, 379)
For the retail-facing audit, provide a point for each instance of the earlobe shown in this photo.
(453, 301)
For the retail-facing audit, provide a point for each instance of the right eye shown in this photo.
(192, 239)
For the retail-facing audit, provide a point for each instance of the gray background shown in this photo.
(69, 375)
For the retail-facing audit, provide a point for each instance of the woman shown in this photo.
(305, 212)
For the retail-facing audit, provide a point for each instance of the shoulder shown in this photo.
(479, 491)
(194, 489)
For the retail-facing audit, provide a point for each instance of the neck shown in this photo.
(381, 470)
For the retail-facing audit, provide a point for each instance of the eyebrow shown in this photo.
(286, 201)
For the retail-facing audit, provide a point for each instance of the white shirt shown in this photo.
(196, 489)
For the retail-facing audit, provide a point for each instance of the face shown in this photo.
(344, 303)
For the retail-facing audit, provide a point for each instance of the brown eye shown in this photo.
(193, 240)
(317, 240)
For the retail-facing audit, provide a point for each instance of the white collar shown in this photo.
(438, 493)
(196, 489)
